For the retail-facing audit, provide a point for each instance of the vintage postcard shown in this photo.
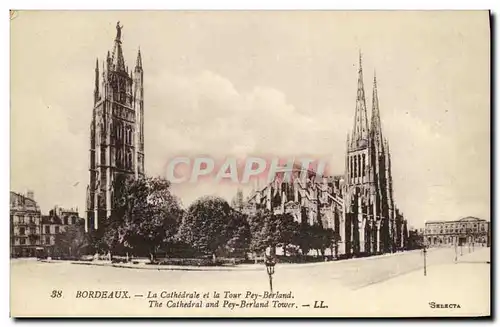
(250, 164)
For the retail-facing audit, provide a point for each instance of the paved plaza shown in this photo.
(385, 284)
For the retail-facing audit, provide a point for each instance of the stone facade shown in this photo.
(116, 131)
(374, 223)
(32, 233)
(56, 222)
(25, 225)
(465, 231)
(306, 199)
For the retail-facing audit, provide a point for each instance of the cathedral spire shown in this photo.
(376, 125)
(96, 87)
(117, 57)
(138, 63)
(360, 131)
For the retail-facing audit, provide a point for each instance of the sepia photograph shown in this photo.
(236, 164)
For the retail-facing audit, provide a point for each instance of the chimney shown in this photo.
(30, 195)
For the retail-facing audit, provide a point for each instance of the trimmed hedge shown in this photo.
(200, 262)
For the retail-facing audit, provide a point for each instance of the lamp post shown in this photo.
(270, 263)
(456, 251)
(425, 260)
(469, 238)
(461, 249)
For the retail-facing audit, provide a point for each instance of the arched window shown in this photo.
(119, 158)
(129, 160)
(355, 172)
(353, 167)
(358, 164)
(364, 166)
(350, 168)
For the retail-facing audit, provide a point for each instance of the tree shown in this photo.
(258, 224)
(286, 230)
(316, 237)
(205, 224)
(239, 235)
(146, 215)
(327, 239)
(72, 241)
(304, 238)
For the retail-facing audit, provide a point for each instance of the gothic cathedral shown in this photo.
(358, 205)
(116, 130)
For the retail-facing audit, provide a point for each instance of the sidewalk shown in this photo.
(242, 267)
(170, 267)
(478, 255)
(456, 289)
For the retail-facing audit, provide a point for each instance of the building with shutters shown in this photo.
(465, 231)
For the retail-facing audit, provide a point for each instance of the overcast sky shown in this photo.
(282, 83)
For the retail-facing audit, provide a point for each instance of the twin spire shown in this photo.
(361, 132)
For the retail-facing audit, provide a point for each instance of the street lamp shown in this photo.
(270, 263)
(425, 260)
(456, 251)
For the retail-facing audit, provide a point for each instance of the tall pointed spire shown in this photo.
(360, 131)
(96, 87)
(376, 125)
(138, 63)
(117, 57)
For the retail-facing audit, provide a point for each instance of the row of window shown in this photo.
(451, 228)
(456, 225)
(452, 231)
(124, 133)
(47, 229)
(124, 161)
(33, 219)
(24, 241)
(456, 230)
(32, 230)
(22, 230)
(24, 219)
(357, 166)
(122, 97)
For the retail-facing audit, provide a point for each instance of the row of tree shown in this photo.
(148, 220)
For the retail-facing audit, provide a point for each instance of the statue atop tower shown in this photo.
(118, 31)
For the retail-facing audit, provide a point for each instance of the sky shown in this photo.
(227, 84)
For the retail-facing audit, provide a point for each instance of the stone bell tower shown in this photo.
(116, 130)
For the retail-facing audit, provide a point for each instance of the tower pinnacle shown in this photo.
(96, 87)
(376, 125)
(138, 63)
